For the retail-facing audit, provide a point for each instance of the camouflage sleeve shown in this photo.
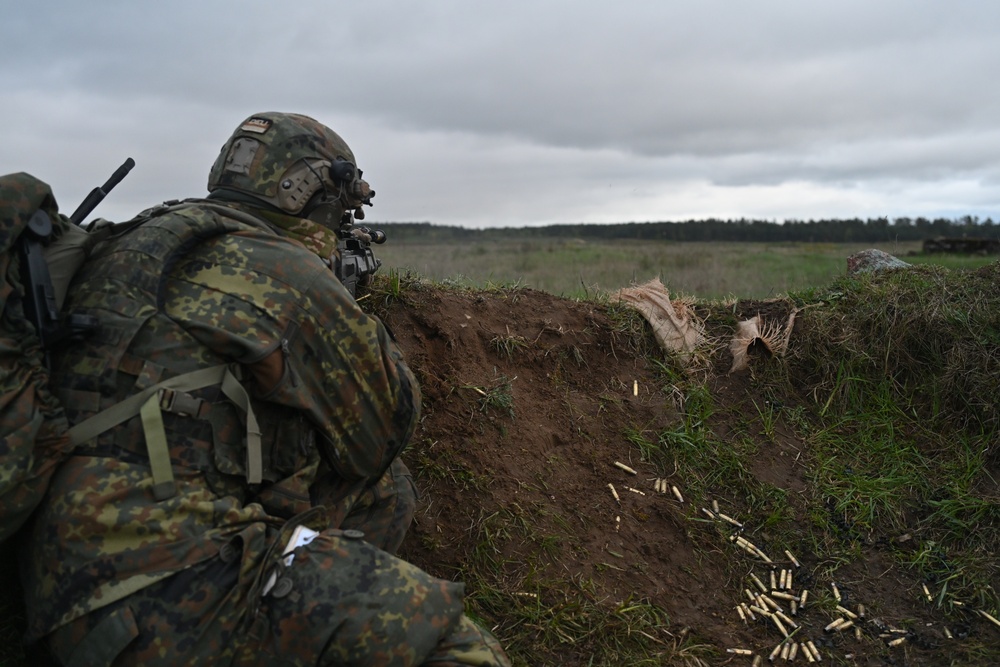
(273, 306)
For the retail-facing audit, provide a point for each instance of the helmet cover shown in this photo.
(287, 159)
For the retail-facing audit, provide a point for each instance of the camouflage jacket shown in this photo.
(189, 289)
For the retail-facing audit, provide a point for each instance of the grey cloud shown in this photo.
(518, 111)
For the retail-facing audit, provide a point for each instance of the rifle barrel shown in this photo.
(98, 194)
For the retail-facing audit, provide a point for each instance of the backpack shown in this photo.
(33, 426)
(40, 251)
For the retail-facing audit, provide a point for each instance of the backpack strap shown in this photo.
(149, 403)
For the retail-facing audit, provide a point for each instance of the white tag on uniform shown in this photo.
(300, 537)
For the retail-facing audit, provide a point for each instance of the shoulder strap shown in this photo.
(147, 404)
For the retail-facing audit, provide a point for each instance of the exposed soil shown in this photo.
(528, 399)
(575, 386)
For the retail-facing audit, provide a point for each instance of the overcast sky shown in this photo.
(526, 112)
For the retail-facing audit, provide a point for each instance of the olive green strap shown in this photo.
(235, 392)
(157, 448)
(146, 404)
(119, 412)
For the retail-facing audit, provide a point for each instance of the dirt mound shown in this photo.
(531, 402)
(607, 507)
(545, 453)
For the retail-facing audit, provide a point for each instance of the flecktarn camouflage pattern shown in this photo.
(284, 160)
(203, 574)
(32, 423)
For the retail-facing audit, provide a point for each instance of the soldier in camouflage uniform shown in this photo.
(251, 518)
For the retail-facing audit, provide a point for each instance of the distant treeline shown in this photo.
(854, 230)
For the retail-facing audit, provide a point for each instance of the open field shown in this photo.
(706, 270)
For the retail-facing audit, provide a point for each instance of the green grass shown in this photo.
(497, 396)
(584, 269)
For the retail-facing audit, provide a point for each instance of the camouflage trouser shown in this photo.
(383, 511)
(343, 600)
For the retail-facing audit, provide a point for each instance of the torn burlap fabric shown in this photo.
(675, 325)
(769, 337)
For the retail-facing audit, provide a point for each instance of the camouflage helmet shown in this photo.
(294, 164)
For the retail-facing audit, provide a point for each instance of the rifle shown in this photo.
(356, 262)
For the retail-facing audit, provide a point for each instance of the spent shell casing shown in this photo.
(861, 611)
(785, 618)
(775, 652)
(792, 558)
(815, 651)
(635, 490)
(845, 625)
(857, 632)
(749, 612)
(750, 594)
(743, 544)
(715, 506)
(771, 603)
(739, 651)
(708, 513)
(788, 580)
(846, 612)
(782, 578)
(677, 493)
(781, 595)
(774, 583)
(927, 593)
(622, 466)
(836, 623)
(988, 617)
(614, 493)
(897, 641)
(785, 650)
(729, 519)
(758, 661)
(758, 582)
(743, 616)
(760, 610)
(794, 651)
(763, 556)
(777, 622)
(836, 591)
(947, 633)
(794, 604)
(806, 652)
(804, 597)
